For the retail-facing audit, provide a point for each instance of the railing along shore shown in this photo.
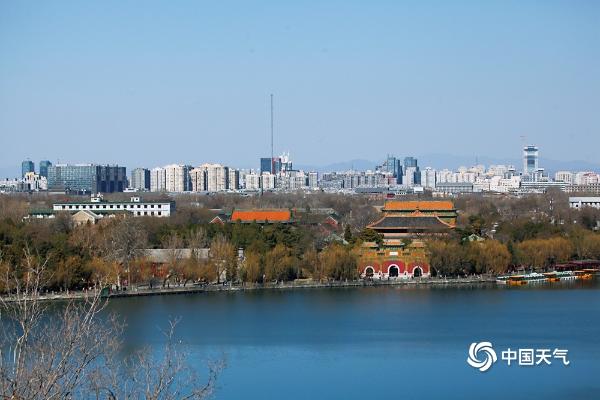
(229, 287)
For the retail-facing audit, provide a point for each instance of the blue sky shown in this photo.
(145, 83)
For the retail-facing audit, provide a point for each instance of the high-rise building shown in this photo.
(233, 182)
(563, 176)
(26, 167)
(198, 179)
(410, 162)
(216, 177)
(158, 180)
(412, 174)
(267, 181)
(266, 165)
(140, 179)
(252, 181)
(530, 159)
(87, 178)
(44, 164)
(428, 178)
(313, 180)
(177, 178)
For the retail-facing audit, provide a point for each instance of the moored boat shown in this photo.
(583, 275)
(533, 277)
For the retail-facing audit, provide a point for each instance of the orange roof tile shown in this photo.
(261, 215)
(418, 205)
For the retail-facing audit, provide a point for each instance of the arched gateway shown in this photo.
(393, 272)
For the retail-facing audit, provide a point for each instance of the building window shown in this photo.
(152, 213)
(63, 207)
(159, 213)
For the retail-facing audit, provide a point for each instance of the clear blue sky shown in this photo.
(145, 83)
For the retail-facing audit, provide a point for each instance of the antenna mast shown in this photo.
(272, 155)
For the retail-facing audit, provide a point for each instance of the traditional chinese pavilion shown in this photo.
(403, 225)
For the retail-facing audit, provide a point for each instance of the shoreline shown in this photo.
(139, 292)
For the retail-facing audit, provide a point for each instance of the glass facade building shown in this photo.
(27, 166)
(87, 178)
(44, 164)
(530, 159)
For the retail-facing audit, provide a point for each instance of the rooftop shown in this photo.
(428, 222)
(418, 205)
(260, 215)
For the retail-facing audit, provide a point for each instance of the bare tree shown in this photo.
(173, 243)
(124, 243)
(71, 351)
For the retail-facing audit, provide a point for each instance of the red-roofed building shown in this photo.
(262, 216)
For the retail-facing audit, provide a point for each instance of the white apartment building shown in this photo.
(267, 181)
(216, 177)
(177, 178)
(428, 178)
(233, 182)
(586, 178)
(313, 180)
(563, 176)
(252, 181)
(157, 180)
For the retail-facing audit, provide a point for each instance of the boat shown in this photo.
(502, 280)
(533, 277)
(557, 276)
(583, 275)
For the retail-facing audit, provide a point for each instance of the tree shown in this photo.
(369, 235)
(338, 262)
(348, 234)
(252, 267)
(223, 258)
(125, 242)
(173, 243)
(489, 256)
(72, 352)
(279, 264)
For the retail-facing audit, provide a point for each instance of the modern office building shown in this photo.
(140, 179)
(44, 165)
(530, 159)
(266, 165)
(26, 167)
(87, 178)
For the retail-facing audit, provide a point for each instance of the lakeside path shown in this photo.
(192, 288)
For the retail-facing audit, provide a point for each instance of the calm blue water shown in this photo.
(381, 343)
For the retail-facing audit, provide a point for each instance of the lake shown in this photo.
(400, 342)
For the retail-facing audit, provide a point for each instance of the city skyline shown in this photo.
(421, 78)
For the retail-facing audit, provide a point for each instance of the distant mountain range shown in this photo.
(437, 161)
(441, 161)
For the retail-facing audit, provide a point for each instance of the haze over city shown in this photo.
(154, 83)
